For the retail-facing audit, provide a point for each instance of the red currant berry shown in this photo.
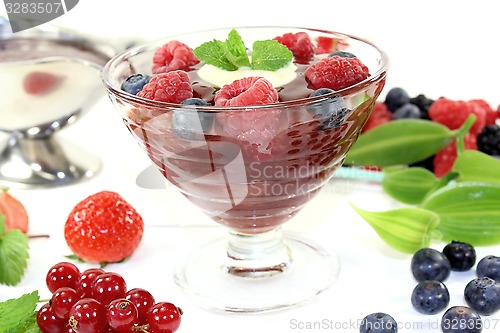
(143, 301)
(62, 301)
(164, 317)
(108, 287)
(121, 314)
(88, 316)
(85, 281)
(47, 320)
(63, 274)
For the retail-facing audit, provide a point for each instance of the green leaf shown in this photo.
(30, 326)
(236, 52)
(2, 224)
(405, 229)
(473, 165)
(13, 256)
(18, 313)
(403, 141)
(270, 55)
(469, 212)
(214, 53)
(409, 185)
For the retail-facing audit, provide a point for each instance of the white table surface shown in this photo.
(445, 48)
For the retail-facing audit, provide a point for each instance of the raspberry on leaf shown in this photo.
(103, 228)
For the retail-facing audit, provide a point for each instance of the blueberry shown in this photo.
(461, 319)
(343, 54)
(488, 141)
(430, 264)
(134, 83)
(489, 266)
(462, 256)
(423, 103)
(331, 110)
(395, 98)
(195, 101)
(430, 297)
(378, 322)
(190, 124)
(483, 295)
(407, 110)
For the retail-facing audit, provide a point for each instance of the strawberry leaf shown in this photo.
(13, 255)
(17, 314)
(30, 326)
(269, 55)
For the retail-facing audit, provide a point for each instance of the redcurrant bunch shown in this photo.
(96, 301)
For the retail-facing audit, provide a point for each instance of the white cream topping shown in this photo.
(220, 77)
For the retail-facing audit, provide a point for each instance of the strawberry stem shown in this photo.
(38, 236)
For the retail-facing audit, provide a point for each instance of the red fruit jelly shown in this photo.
(244, 168)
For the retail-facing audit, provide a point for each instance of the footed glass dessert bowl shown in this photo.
(48, 80)
(249, 124)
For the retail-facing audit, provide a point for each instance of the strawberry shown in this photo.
(13, 212)
(103, 228)
(39, 83)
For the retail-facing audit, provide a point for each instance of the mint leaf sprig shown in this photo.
(232, 54)
(13, 254)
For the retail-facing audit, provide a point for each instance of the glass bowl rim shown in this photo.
(379, 75)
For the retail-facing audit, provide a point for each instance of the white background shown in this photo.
(439, 48)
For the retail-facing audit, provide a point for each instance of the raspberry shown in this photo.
(325, 45)
(380, 115)
(172, 87)
(336, 73)
(172, 56)
(299, 44)
(255, 126)
(247, 91)
(453, 114)
(445, 158)
(491, 115)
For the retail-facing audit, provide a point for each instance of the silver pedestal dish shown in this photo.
(48, 80)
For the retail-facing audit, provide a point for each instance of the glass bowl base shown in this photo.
(205, 278)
